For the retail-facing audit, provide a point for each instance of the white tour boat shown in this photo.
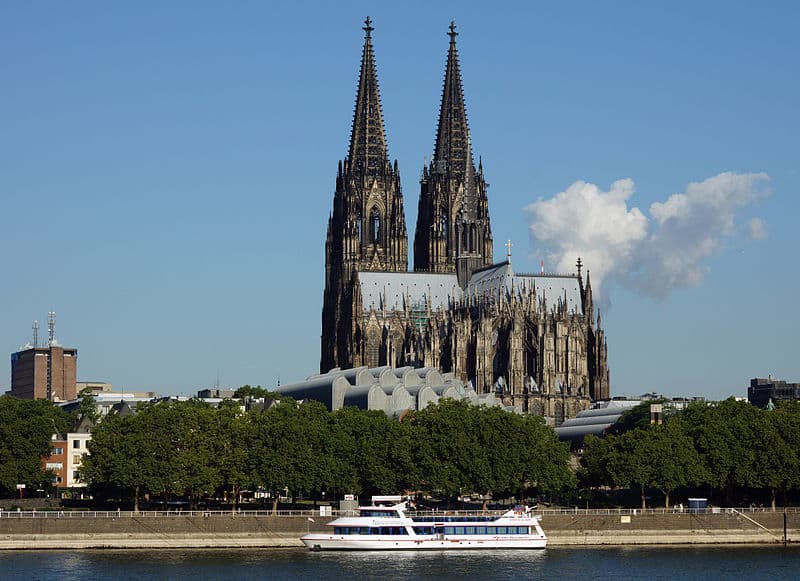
(391, 523)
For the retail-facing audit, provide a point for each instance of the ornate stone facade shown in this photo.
(531, 339)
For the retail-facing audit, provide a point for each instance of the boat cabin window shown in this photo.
(467, 530)
(392, 531)
(452, 518)
(351, 530)
(388, 531)
(474, 530)
(380, 513)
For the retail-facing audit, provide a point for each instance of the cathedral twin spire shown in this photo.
(367, 229)
(452, 151)
(453, 229)
(453, 218)
(368, 149)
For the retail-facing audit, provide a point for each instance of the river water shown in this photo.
(568, 563)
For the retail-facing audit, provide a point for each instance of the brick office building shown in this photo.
(44, 373)
(48, 372)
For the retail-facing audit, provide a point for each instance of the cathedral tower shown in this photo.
(453, 230)
(367, 229)
(534, 341)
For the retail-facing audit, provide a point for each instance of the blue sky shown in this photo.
(167, 170)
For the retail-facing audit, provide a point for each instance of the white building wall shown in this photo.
(76, 450)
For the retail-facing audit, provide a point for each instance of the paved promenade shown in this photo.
(204, 529)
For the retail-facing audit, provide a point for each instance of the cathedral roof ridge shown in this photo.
(360, 271)
(548, 275)
(407, 273)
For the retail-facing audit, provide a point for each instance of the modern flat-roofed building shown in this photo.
(94, 386)
(763, 391)
(44, 373)
(47, 372)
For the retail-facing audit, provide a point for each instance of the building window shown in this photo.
(54, 466)
(56, 451)
(373, 346)
(75, 475)
(376, 225)
(76, 444)
(559, 413)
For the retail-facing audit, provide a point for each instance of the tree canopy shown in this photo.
(192, 451)
(189, 449)
(257, 392)
(728, 446)
(26, 428)
(464, 448)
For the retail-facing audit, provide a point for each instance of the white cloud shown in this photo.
(651, 255)
(756, 229)
(587, 222)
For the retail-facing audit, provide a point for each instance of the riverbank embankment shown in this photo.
(203, 529)
(636, 527)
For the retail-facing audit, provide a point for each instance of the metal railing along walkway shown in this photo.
(315, 513)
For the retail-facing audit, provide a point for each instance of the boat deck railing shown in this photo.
(455, 516)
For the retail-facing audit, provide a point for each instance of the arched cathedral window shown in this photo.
(375, 225)
(372, 351)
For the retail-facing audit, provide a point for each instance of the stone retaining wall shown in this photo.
(178, 531)
(670, 528)
(132, 531)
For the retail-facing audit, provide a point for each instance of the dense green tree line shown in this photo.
(727, 447)
(26, 427)
(190, 450)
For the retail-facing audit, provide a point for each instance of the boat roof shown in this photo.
(394, 499)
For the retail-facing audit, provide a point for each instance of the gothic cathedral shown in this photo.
(532, 339)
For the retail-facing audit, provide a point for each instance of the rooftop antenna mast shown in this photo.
(51, 328)
(35, 334)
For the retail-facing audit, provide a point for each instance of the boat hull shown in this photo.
(322, 542)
